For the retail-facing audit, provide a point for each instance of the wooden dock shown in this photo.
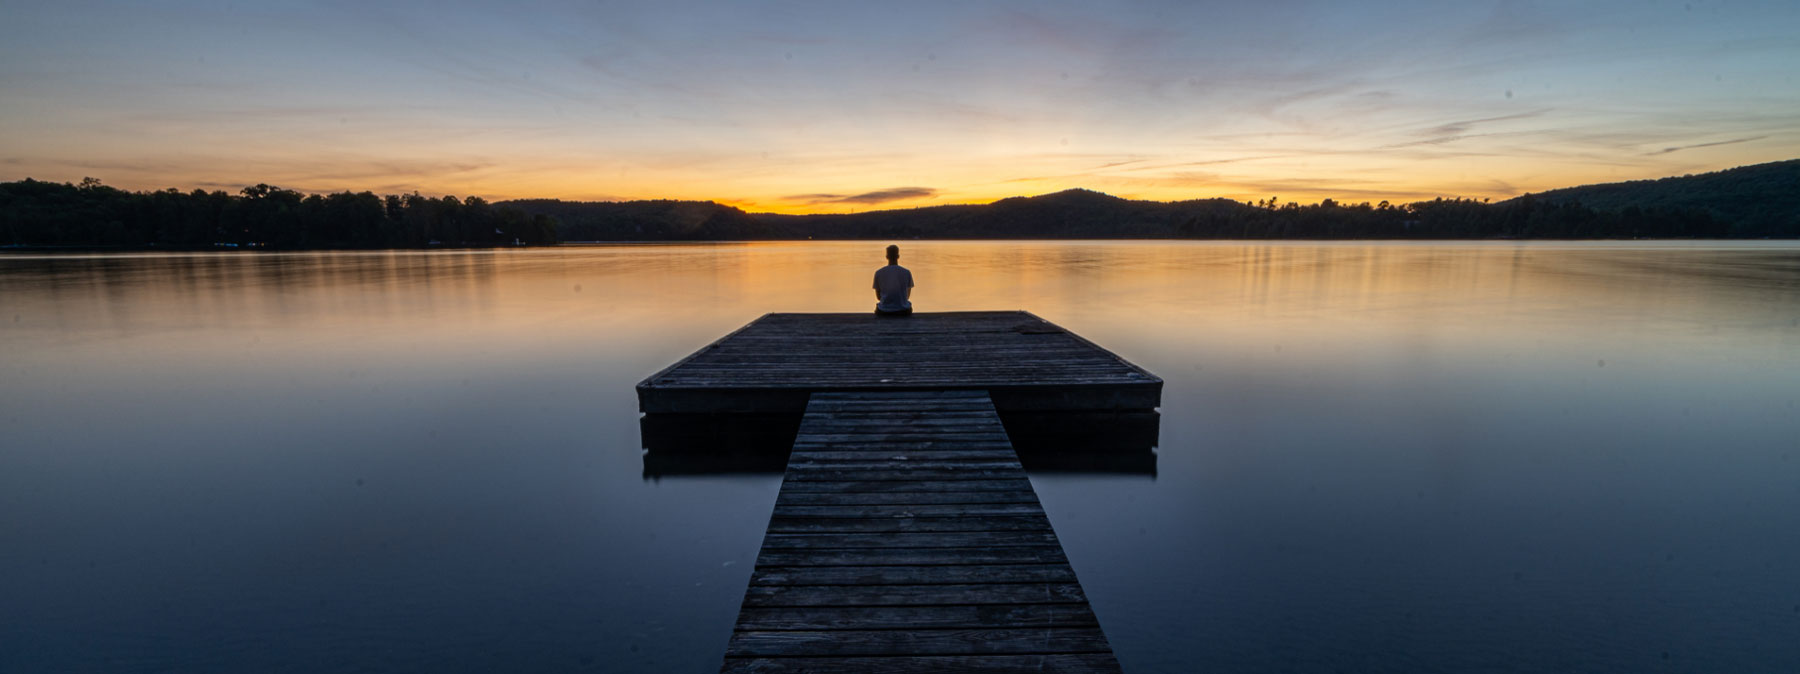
(906, 538)
(1024, 363)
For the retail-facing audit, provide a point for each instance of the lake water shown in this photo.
(1373, 457)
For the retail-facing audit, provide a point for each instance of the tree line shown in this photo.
(1761, 200)
(1524, 218)
(1755, 201)
(90, 214)
(1084, 214)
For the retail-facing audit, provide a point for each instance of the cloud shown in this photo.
(1119, 163)
(1460, 128)
(1679, 148)
(875, 197)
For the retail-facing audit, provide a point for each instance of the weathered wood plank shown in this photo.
(865, 454)
(900, 525)
(912, 444)
(863, 510)
(1061, 663)
(824, 425)
(890, 398)
(913, 556)
(918, 617)
(912, 575)
(902, 474)
(915, 595)
(787, 497)
(939, 539)
(928, 415)
(918, 642)
(860, 486)
(887, 463)
(941, 438)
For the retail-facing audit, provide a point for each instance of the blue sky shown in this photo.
(849, 106)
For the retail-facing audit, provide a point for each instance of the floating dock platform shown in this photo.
(906, 537)
(1025, 363)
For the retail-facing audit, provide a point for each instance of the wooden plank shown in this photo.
(939, 539)
(863, 454)
(728, 336)
(913, 556)
(901, 474)
(911, 413)
(915, 595)
(903, 442)
(830, 425)
(1035, 640)
(887, 463)
(902, 525)
(787, 497)
(918, 617)
(868, 510)
(1061, 663)
(943, 574)
(860, 486)
(867, 451)
(892, 398)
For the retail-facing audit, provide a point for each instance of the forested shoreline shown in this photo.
(1760, 201)
(92, 215)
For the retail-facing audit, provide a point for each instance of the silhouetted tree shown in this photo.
(1755, 201)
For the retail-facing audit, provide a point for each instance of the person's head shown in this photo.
(893, 254)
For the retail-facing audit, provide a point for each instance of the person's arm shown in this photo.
(909, 285)
(877, 287)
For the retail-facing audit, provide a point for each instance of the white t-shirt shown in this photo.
(891, 284)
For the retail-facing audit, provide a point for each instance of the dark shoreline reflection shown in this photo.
(1086, 443)
(1075, 443)
(687, 445)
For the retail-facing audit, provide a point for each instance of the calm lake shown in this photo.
(1373, 456)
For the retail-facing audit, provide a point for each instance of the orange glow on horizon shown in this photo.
(1235, 189)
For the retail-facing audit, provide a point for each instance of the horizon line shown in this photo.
(754, 207)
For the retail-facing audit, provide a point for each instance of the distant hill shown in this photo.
(1756, 201)
(1748, 202)
(1070, 214)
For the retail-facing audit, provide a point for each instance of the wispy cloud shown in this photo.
(1459, 128)
(1679, 148)
(875, 197)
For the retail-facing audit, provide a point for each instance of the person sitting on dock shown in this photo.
(893, 287)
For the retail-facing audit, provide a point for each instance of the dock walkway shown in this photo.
(907, 538)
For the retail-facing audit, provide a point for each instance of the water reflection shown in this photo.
(1370, 456)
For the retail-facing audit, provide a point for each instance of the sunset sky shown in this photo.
(839, 106)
